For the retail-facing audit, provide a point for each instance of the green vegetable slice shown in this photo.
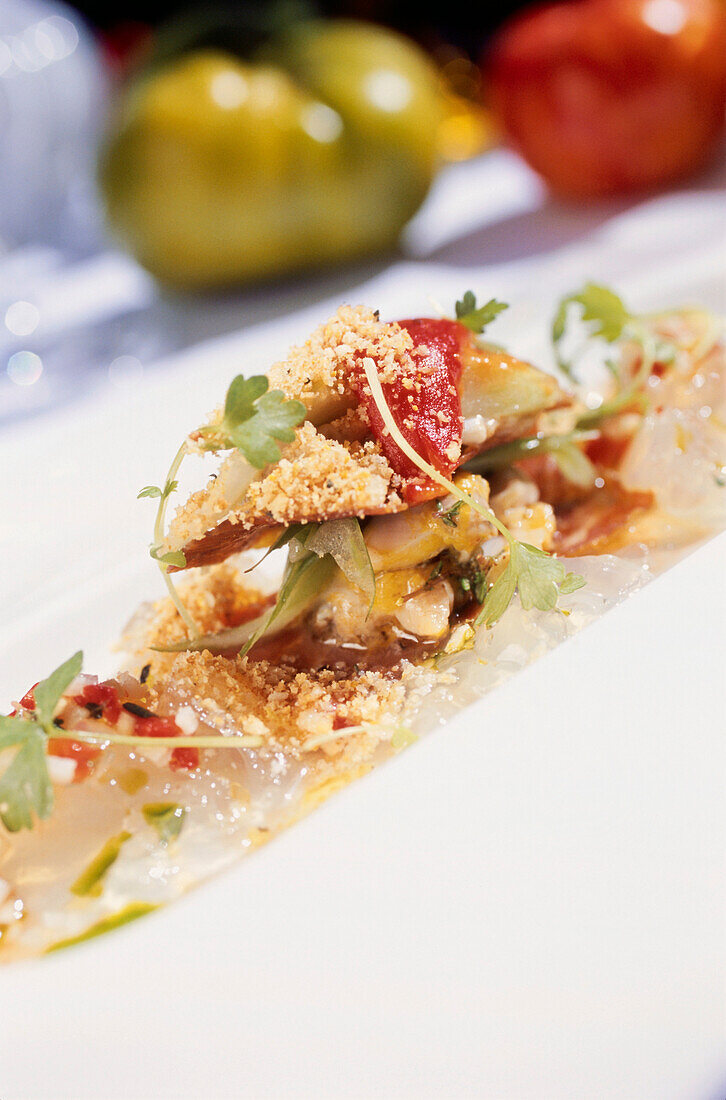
(90, 882)
(166, 817)
(130, 912)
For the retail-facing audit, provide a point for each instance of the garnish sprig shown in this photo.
(539, 577)
(476, 317)
(254, 418)
(606, 317)
(25, 786)
(173, 558)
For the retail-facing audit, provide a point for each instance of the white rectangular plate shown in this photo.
(527, 905)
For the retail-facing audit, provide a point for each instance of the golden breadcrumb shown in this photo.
(328, 358)
(316, 479)
(301, 714)
(217, 598)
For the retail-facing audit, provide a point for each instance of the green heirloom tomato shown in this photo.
(317, 150)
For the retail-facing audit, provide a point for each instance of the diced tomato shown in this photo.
(154, 726)
(28, 700)
(104, 696)
(184, 759)
(428, 412)
(84, 755)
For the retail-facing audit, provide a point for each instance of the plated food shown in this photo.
(400, 514)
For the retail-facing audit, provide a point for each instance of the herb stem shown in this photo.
(213, 741)
(159, 534)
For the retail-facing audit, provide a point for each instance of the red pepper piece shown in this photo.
(184, 759)
(429, 413)
(84, 755)
(104, 696)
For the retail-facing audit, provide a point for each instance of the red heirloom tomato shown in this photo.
(605, 96)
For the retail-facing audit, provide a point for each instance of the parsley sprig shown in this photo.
(606, 317)
(539, 578)
(25, 786)
(476, 317)
(254, 420)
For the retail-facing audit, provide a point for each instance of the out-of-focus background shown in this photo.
(173, 173)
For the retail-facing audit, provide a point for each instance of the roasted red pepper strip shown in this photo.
(428, 412)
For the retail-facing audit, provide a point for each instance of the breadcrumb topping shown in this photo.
(298, 713)
(328, 358)
(316, 479)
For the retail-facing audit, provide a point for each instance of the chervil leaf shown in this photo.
(538, 576)
(254, 418)
(14, 731)
(602, 310)
(149, 491)
(571, 583)
(48, 691)
(25, 787)
(241, 396)
(477, 317)
(499, 597)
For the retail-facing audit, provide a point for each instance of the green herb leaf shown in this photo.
(476, 317)
(449, 516)
(166, 817)
(14, 731)
(149, 491)
(571, 583)
(343, 540)
(48, 691)
(90, 882)
(254, 418)
(602, 310)
(499, 596)
(241, 396)
(539, 578)
(25, 787)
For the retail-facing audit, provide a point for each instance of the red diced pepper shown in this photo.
(104, 696)
(184, 759)
(84, 755)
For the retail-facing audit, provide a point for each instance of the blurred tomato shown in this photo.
(604, 96)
